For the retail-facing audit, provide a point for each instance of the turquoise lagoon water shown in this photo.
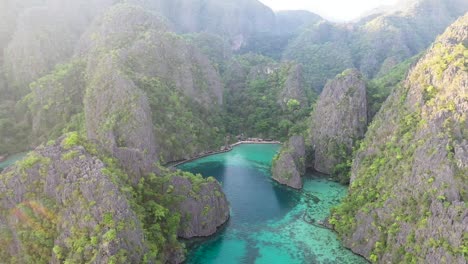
(11, 160)
(269, 222)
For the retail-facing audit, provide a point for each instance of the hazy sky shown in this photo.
(341, 10)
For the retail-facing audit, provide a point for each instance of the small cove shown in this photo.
(269, 222)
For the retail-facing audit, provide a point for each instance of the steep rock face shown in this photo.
(118, 115)
(339, 119)
(64, 204)
(164, 69)
(149, 49)
(293, 88)
(407, 201)
(289, 166)
(59, 198)
(203, 212)
(235, 19)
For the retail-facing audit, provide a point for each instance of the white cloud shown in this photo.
(341, 10)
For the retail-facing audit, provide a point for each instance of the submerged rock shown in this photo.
(289, 165)
(339, 119)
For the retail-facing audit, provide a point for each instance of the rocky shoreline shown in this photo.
(222, 150)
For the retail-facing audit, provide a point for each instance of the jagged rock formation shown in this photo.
(203, 213)
(289, 166)
(294, 88)
(407, 201)
(144, 95)
(338, 120)
(58, 205)
(155, 64)
(69, 203)
(118, 115)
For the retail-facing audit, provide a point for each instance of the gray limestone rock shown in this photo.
(289, 166)
(414, 157)
(203, 211)
(62, 195)
(339, 119)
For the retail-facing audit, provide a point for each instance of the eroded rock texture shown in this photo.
(407, 201)
(339, 119)
(59, 196)
(202, 212)
(289, 166)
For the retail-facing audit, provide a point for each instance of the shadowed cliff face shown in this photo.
(408, 189)
(289, 166)
(338, 120)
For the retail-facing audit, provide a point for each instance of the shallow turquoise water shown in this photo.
(267, 222)
(11, 160)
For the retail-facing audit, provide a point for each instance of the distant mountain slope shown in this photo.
(373, 44)
(234, 19)
(289, 22)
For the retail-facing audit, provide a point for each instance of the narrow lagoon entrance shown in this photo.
(269, 222)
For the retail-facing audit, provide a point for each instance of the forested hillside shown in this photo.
(103, 93)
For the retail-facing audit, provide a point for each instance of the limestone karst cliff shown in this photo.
(71, 202)
(407, 199)
(139, 83)
(289, 165)
(338, 120)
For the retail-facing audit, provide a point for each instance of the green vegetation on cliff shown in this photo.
(42, 216)
(408, 190)
(264, 98)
